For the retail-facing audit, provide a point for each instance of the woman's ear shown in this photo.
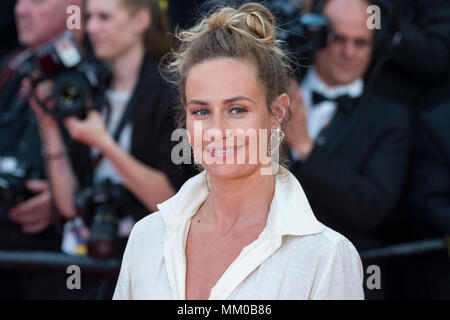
(279, 110)
(143, 20)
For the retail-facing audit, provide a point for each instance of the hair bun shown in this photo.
(260, 22)
(252, 19)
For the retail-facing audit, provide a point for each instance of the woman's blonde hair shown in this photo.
(245, 33)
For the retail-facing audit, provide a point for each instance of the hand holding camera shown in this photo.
(34, 215)
(77, 84)
(90, 131)
(67, 87)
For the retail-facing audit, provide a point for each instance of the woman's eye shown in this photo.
(201, 112)
(238, 110)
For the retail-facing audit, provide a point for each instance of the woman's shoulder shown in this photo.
(150, 228)
(333, 237)
(334, 242)
(325, 245)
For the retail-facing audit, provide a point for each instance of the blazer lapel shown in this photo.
(341, 126)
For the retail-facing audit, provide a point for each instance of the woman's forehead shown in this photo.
(223, 78)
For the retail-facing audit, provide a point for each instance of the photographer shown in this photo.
(431, 197)
(25, 211)
(420, 58)
(349, 147)
(133, 148)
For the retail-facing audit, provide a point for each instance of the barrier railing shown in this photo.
(35, 260)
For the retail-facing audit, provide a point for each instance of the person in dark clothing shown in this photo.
(420, 60)
(352, 148)
(7, 29)
(140, 158)
(134, 148)
(431, 172)
(137, 91)
(349, 147)
(431, 197)
(27, 225)
(131, 147)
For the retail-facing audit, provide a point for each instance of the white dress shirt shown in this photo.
(295, 256)
(318, 116)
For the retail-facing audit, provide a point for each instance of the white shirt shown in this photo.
(118, 102)
(319, 116)
(295, 256)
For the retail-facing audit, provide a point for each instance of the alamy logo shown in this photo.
(74, 20)
(233, 147)
(374, 280)
(74, 280)
(374, 21)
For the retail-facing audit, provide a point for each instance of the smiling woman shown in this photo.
(232, 232)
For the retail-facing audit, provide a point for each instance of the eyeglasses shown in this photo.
(339, 39)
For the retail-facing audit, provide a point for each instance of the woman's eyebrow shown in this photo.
(226, 101)
(202, 103)
(231, 100)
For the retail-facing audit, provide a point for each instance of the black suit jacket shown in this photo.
(431, 173)
(153, 122)
(20, 139)
(354, 176)
(421, 60)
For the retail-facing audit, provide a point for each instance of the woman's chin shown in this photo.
(229, 171)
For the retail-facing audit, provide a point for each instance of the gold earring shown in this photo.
(207, 183)
(281, 135)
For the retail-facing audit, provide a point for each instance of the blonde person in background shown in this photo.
(232, 232)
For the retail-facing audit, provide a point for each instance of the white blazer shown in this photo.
(295, 256)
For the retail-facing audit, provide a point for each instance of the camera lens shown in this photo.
(70, 94)
(71, 91)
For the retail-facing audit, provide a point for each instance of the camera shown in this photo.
(78, 83)
(13, 177)
(303, 34)
(102, 204)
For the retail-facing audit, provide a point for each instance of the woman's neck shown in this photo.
(126, 69)
(239, 202)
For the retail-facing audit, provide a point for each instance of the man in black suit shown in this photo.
(431, 173)
(349, 148)
(421, 58)
(431, 196)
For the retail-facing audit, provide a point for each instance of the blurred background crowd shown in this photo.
(368, 137)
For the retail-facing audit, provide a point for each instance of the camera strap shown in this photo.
(126, 116)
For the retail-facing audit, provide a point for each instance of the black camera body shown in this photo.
(303, 34)
(13, 188)
(102, 204)
(78, 83)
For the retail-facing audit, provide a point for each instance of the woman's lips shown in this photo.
(224, 152)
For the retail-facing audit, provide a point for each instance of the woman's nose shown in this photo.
(222, 125)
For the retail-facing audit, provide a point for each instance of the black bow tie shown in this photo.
(344, 102)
